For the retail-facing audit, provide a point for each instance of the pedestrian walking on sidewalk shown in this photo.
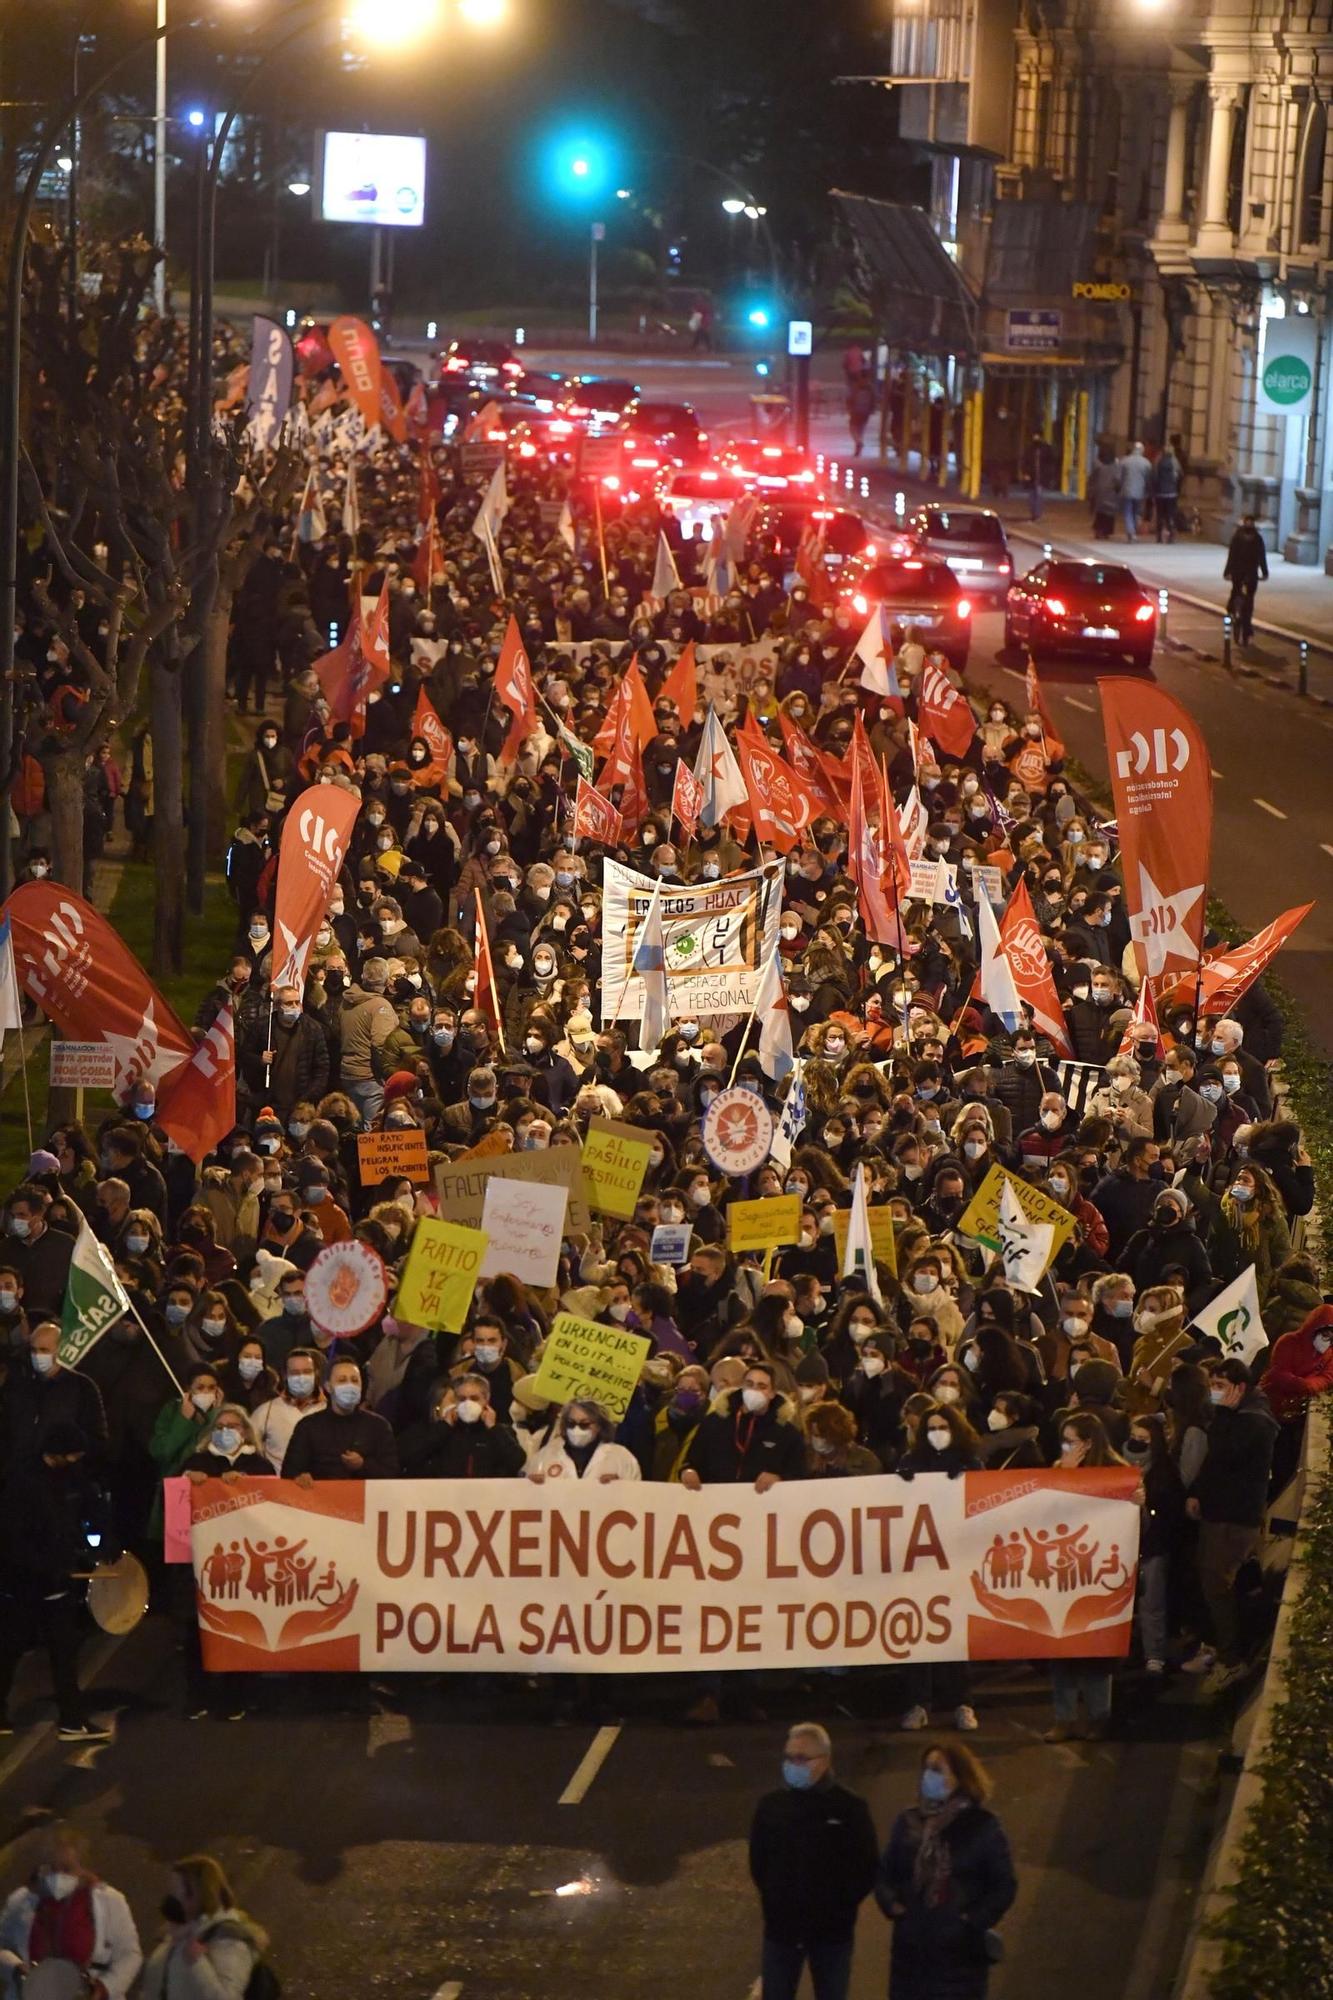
(945, 1880)
(1247, 567)
(1166, 481)
(813, 1855)
(1038, 472)
(1136, 483)
(1103, 492)
(860, 409)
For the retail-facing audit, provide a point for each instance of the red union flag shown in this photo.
(780, 802)
(809, 765)
(1230, 973)
(196, 1104)
(629, 709)
(358, 664)
(357, 353)
(687, 799)
(315, 834)
(428, 729)
(513, 684)
(595, 818)
(867, 863)
(1020, 941)
(70, 961)
(1162, 783)
(945, 715)
(392, 415)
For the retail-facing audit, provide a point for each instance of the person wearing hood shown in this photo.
(1170, 1247)
(1300, 1365)
(1293, 1295)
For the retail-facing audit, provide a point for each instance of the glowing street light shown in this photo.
(580, 167)
(733, 205)
(298, 187)
(483, 13)
(395, 24)
(195, 117)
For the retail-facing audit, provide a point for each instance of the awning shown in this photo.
(915, 291)
(1039, 249)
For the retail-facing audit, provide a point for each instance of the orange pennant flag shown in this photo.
(682, 684)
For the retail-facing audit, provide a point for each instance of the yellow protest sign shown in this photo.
(883, 1242)
(764, 1224)
(440, 1274)
(582, 1358)
(982, 1213)
(615, 1160)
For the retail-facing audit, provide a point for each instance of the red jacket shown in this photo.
(1296, 1369)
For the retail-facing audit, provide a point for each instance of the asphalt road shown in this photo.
(458, 1843)
(1272, 751)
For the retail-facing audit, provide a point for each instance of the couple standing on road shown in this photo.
(944, 1880)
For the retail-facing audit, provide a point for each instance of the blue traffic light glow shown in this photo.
(581, 167)
(759, 316)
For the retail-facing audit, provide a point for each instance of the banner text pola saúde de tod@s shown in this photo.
(397, 1575)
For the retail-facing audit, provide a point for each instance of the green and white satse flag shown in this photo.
(581, 752)
(95, 1298)
(1233, 1319)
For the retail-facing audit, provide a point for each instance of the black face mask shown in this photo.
(173, 1910)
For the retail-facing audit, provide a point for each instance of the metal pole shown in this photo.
(72, 191)
(595, 237)
(160, 162)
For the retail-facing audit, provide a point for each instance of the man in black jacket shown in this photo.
(1126, 1197)
(290, 1063)
(41, 1255)
(1227, 1500)
(41, 1395)
(750, 1436)
(813, 1856)
(1022, 1081)
(344, 1441)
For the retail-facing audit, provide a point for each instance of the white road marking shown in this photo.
(597, 1753)
(1086, 706)
(1214, 770)
(1327, 849)
(1264, 806)
(449, 1991)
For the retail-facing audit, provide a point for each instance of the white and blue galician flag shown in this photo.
(792, 1122)
(11, 1014)
(775, 1050)
(650, 964)
(953, 899)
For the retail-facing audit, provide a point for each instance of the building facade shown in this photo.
(1140, 193)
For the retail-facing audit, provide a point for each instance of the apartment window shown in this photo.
(1236, 164)
(1310, 185)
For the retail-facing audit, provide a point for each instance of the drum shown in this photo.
(118, 1596)
(55, 1979)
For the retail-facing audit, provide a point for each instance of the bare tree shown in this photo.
(121, 528)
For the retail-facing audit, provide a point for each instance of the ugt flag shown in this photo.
(94, 1298)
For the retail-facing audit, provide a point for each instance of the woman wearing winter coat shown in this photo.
(1293, 1296)
(211, 1948)
(583, 1446)
(1252, 1230)
(945, 1880)
(945, 1442)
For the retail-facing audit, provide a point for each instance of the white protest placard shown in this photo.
(990, 881)
(924, 885)
(671, 1243)
(82, 1065)
(525, 1221)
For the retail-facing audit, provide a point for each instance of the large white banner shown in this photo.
(719, 936)
(515, 1577)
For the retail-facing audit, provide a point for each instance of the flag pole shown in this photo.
(27, 1101)
(153, 1344)
(601, 538)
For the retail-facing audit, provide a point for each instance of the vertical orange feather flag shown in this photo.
(682, 684)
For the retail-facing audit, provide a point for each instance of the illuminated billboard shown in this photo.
(373, 177)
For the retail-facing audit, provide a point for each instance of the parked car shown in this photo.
(1083, 609)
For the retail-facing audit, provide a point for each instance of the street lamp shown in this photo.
(733, 205)
(298, 188)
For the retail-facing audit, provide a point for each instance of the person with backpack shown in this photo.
(211, 1950)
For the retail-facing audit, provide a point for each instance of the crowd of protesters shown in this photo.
(1180, 1168)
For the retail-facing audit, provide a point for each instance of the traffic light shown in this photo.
(582, 166)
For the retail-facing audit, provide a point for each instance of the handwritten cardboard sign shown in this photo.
(82, 1066)
(582, 1358)
(461, 1184)
(981, 1217)
(525, 1221)
(615, 1160)
(382, 1156)
(764, 1224)
(440, 1275)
